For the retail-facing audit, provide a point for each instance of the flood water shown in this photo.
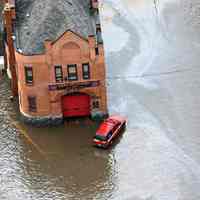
(152, 54)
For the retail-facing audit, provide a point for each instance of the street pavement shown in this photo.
(153, 50)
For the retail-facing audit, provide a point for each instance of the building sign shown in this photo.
(73, 86)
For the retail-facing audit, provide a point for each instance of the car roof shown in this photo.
(117, 118)
(106, 126)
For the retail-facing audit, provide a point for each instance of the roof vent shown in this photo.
(20, 51)
(14, 37)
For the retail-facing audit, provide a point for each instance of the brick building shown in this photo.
(55, 53)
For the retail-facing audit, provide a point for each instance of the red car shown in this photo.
(108, 130)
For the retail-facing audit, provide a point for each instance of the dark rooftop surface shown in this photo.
(40, 20)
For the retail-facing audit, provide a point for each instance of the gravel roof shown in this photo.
(40, 20)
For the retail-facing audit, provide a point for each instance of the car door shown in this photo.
(115, 128)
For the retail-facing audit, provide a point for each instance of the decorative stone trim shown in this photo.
(42, 121)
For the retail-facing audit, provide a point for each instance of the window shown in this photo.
(95, 104)
(86, 71)
(32, 104)
(58, 73)
(5, 35)
(29, 75)
(97, 51)
(72, 73)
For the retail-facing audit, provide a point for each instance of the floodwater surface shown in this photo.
(152, 54)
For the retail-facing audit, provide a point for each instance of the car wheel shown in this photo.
(123, 126)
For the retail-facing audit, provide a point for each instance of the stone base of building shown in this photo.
(56, 121)
(42, 121)
(99, 116)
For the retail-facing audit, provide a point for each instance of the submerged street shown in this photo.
(153, 54)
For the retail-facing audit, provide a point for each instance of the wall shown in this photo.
(39, 87)
(68, 49)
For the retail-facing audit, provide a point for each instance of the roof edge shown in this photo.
(68, 30)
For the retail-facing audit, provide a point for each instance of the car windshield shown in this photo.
(99, 137)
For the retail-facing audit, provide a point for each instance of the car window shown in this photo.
(109, 135)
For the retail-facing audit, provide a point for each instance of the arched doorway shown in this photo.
(76, 105)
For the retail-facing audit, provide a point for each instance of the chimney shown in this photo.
(94, 4)
(8, 17)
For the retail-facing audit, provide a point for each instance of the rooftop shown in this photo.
(40, 20)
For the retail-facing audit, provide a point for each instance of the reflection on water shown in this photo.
(51, 163)
(70, 166)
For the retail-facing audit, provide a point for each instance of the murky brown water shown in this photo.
(65, 158)
(52, 163)
(152, 55)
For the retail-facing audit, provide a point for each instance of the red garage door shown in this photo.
(76, 105)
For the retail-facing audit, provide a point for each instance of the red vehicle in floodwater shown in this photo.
(108, 130)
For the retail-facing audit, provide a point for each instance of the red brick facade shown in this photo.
(69, 49)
